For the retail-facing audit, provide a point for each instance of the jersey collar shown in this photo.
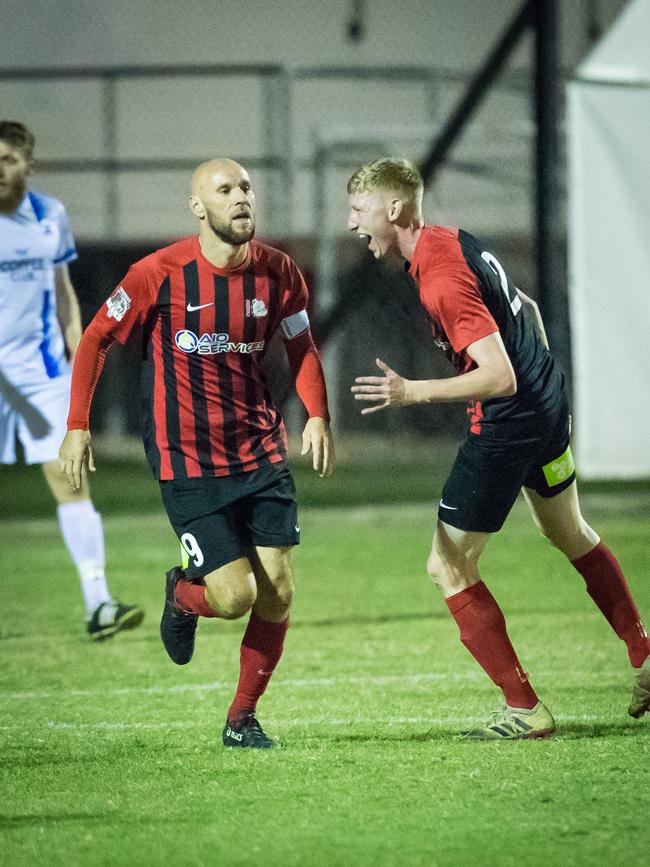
(222, 271)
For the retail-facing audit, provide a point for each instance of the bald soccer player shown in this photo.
(207, 308)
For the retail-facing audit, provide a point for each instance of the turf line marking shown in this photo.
(292, 723)
(217, 685)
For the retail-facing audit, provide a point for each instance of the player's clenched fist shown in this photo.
(391, 389)
(74, 452)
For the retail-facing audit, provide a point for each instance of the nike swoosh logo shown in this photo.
(297, 528)
(445, 506)
(191, 308)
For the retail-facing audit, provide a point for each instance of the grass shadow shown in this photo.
(27, 820)
(577, 730)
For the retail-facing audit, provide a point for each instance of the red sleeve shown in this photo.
(127, 307)
(308, 373)
(451, 296)
(88, 364)
(295, 297)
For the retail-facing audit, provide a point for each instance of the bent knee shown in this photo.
(435, 567)
(451, 568)
(449, 580)
(234, 600)
(573, 542)
(284, 589)
(235, 605)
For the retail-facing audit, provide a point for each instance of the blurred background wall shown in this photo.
(126, 98)
(314, 86)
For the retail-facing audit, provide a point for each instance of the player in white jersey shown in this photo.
(40, 327)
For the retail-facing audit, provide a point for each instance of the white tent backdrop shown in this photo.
(609, 250)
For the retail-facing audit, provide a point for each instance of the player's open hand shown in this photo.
(391, 389)
(75, 451)
(317, 437)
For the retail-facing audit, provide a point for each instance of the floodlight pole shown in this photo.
(550, 243)
(477, 89)
(550, 247)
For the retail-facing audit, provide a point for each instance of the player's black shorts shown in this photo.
(219, 520)
(489, 473)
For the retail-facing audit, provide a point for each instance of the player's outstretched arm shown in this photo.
(317, 438)
(493, 376)
(391, 389)
(75, 452)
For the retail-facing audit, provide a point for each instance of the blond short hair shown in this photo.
(390, 176)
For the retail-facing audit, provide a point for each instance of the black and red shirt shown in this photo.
(468, 295)
(206, 408)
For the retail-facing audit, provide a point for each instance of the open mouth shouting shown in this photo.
(369, 239)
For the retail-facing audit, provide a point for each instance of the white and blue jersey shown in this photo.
(34, 240)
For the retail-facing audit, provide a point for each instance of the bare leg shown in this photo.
(231, 590)
(560, 520)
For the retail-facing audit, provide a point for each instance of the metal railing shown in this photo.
(278, 84)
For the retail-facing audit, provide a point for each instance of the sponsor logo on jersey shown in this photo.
(256, 308)
(118, 304)
(212, 344)
(23, 269)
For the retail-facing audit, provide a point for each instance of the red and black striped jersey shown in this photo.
(206, 408)
(468, 295)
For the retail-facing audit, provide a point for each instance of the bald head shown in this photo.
(223, 200)
(205, 174)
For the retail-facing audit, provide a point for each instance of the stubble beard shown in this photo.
(229, 233)
(12, 195)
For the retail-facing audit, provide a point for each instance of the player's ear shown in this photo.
(196, 207)
(395, 208)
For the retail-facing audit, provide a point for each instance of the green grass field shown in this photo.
(111, 755)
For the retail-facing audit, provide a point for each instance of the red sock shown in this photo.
(191, 597)
(608, 588)
(483, 632)
(261, 649)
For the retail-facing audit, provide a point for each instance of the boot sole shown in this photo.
(127, 621)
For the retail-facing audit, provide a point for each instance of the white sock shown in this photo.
(83, 534)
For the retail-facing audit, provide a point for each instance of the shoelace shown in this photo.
(507, 720)
(251, 723)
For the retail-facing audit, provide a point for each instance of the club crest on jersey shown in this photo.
(212, 344)
(118, 304)
(256, 308)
